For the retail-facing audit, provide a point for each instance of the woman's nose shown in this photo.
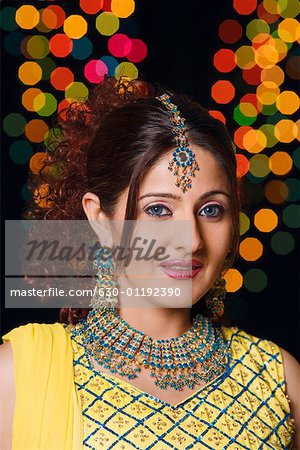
(197, 238)
(188, 235)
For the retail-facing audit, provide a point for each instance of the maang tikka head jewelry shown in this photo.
(183, 164)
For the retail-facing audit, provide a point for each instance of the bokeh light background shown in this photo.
(257, 64)
(63, 50)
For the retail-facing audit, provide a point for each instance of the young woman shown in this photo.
(167, 373)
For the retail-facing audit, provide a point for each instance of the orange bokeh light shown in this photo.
(266, 220)
(234, 280)
(36, 130)
(223, 91)
(242, 165)
(61, 77)
(224, 60)
(251, 249)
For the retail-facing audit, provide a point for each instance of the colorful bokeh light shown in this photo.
(266, 125)
(27, 17)
(251, 89)
(75, 26)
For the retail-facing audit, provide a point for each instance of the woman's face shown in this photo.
(206, 240)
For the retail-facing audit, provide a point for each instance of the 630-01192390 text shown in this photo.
(106, 292)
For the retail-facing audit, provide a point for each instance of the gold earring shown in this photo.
(214, 299)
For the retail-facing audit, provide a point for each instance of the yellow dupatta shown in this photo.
(47, 414)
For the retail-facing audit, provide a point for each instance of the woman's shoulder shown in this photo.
(255, 353)
(242, 341)
(260, 348)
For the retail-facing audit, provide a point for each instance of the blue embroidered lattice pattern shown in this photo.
(244, 408)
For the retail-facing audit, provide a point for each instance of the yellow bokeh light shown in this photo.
(251, 249)
(272, 6)
(30, 73)
(266, 56)
(285, 131)
(76, 91)
(267, 92)
(254, 141)
(266, 220)
(287, 102)
(107, 23)
(122, 8)
(289, 8)
(248, 109)
(244, 223)
(245, 57)
(126, 69)
(39, 101)
(75, 26)
(27, 17)
(28, 98)
(297, 123)
(234, 280)
(280, 163)
(260, 39)
(289, 30)
(259, 165)
(280, 47)
(274, 74)
(257, 27)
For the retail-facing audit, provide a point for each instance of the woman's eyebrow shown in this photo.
(178, 197)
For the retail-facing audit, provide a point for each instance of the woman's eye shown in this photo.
(213, 210)
(158, 211)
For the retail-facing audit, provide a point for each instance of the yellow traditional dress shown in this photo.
(63, 403)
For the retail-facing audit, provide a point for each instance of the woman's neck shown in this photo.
(158, 323)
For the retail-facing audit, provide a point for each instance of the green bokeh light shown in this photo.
(14, 124)
(20, 152)
(7, 19)
(47, 65)
(241, 119)
(294, 189)
(282, 243)
(296, 157)
(291, 216)
(255, 280)
(49, 104)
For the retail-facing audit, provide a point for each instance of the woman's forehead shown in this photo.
(211, 175)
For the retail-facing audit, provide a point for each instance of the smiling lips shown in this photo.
(181, 269)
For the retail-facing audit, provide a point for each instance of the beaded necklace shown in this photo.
(200, 354)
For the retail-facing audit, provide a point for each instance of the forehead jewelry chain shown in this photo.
(183, 164)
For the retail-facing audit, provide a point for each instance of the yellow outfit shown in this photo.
(62, 403)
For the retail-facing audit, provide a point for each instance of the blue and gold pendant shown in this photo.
(183, 166)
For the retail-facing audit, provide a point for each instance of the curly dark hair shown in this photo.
(108, 143)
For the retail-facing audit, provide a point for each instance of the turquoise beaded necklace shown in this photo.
(200, 354)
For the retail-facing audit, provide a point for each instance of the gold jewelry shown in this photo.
(214, 299)
(106, 285)
(183, 164)
(200, 354)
